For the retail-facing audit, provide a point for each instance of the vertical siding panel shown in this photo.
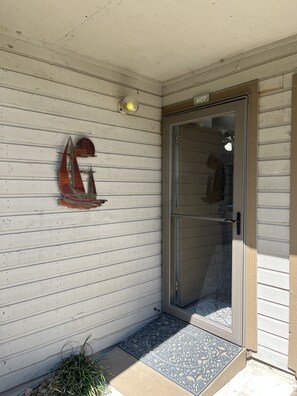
(67, 274)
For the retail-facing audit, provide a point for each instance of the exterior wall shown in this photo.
(273, 66)
(67, 274)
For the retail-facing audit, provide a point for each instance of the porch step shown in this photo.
(171, 357)
(130, 377)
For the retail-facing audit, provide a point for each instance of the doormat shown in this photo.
(189, 356)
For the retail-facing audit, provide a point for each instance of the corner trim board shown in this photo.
(292, 352)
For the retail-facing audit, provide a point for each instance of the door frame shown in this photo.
(233, 333)
(249, 91)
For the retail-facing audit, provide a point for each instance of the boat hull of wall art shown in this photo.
(71, 184)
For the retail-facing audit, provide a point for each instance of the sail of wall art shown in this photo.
(71, 184)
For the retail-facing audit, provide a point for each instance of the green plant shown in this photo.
(79, 375)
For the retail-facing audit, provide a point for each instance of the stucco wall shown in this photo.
(66, 273)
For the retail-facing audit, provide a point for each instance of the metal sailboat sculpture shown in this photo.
(70, 180)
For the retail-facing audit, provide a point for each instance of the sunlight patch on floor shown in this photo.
(259, 380)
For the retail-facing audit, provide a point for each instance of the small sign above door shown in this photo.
(201, 99)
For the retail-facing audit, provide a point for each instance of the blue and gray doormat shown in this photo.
(189, 356)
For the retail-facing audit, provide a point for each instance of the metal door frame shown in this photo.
(238, 292)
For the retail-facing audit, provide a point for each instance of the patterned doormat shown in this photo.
(189, 356)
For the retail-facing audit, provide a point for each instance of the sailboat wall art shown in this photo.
(71, 184)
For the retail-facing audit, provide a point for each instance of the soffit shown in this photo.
(160, 39)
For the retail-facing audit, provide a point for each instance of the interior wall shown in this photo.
(67, 273)
(273, 66)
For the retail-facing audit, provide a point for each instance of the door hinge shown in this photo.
(177, 139)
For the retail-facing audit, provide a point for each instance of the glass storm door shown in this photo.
(203, 217)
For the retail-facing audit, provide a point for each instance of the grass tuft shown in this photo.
(79, 375)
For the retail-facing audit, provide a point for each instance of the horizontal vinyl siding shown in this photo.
(274, 69)
(66, 273)
(273, 221)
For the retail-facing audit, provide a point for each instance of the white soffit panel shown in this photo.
(158, 39)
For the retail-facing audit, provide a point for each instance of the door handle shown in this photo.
(229, 221)
(237, 221)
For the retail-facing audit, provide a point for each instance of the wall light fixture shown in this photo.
(128, 105)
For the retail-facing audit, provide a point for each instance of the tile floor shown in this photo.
(210, 308)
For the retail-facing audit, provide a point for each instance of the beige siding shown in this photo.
(273, 221)
(273, 67)
(65, 273)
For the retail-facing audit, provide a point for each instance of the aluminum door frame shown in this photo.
(235, 333)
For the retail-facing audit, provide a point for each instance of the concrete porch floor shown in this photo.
(257, 379)
(130, 377)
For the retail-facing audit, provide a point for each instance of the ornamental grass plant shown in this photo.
(79, 375)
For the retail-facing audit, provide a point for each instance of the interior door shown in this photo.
(204, 217)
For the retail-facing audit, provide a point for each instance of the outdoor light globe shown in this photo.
(128, 105)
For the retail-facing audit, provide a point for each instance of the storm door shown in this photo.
(204, 217)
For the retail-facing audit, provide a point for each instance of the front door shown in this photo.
(204, 166)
